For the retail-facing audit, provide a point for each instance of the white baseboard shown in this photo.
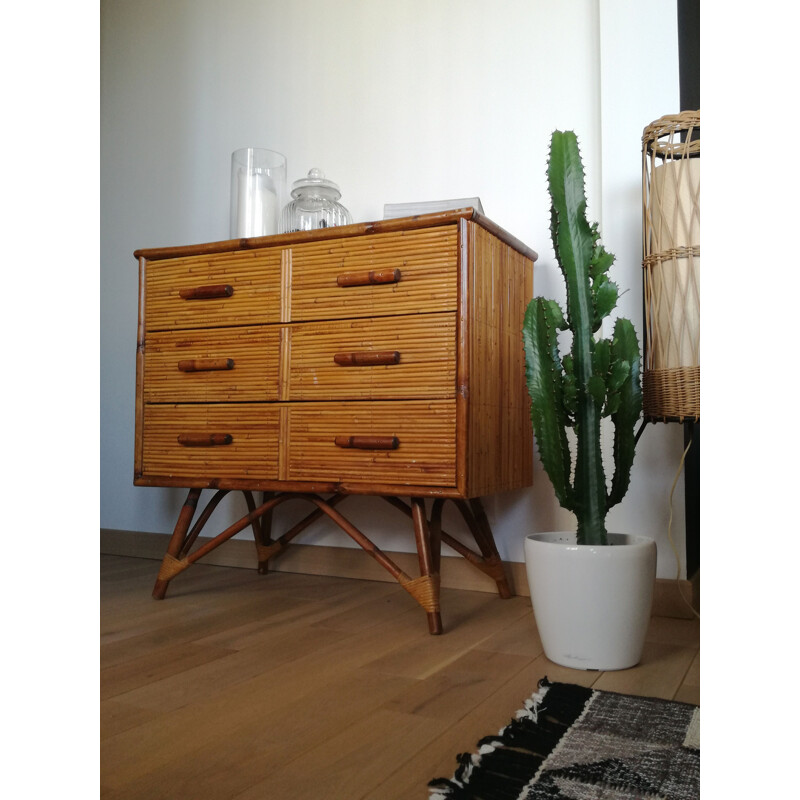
(348, 562)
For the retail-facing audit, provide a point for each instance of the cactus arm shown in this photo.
(625, 348)
(574, 242)
(606, 294)
(573, 238)
(543, 320)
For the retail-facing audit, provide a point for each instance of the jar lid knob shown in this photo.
(317, 183)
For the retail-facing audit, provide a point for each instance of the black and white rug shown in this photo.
(574, 743)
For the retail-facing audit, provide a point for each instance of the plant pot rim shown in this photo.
(566, 540)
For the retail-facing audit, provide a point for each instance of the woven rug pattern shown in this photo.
(574, 743)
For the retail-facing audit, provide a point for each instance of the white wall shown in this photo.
(424, 99)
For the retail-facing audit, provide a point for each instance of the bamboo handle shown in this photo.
(207, 292)
(368, 358)
(204, 364)
(372, 277)
(367, 442)
(204, 439)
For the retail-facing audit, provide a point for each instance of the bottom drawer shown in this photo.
(409, 442)
(224, 440)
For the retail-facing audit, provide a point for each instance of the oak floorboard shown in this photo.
(214, 677)
(461, 684)
(117, 716)
(518, 638)
(660, 673)
(463, 632)
(674, 631)
(139, 671)
(286, 686)
(172, 629)
(350, 763)
(224, 754)
(689, 691)
(269, 704)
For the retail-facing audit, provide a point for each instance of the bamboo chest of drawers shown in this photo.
(378, 358)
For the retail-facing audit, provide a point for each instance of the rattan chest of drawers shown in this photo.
(378, 358)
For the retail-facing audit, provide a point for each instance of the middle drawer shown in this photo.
(212, 365)
(406, 357)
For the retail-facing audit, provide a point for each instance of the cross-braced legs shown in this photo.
(425, 589)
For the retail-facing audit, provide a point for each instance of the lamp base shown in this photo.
(671, 394)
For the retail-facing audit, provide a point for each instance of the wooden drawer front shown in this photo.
(241, 288)
(331, 279)
(212, 365)
(380, 358)
(252, 452)
(424, 434)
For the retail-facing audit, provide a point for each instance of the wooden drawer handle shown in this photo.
(204, 439)
(369, 278)
(368, 358)
(207, 292)
(367, 442)
(204, 364)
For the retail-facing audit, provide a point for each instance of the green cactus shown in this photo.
(598, 377)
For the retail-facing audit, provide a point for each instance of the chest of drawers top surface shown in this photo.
(374, 358)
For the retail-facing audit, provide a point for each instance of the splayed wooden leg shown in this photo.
(429, 574)
(172, 563)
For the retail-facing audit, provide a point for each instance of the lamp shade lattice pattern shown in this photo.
(671, 262)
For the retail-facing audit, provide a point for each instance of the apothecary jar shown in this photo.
(314, 205)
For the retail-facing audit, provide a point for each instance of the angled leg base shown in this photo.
(424, 589)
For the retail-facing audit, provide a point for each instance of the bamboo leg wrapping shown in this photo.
(425, 590)
(170, 567)
(266, 551)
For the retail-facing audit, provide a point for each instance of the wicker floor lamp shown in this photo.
(671, 261)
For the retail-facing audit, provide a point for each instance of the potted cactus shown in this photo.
(599, 585)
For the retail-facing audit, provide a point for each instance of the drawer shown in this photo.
(411, 443)
(375, 358)
(211, 441)
(212, 365)
(382, 274)
(241, 288)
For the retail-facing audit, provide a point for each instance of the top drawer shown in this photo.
(382, 274)
(241, 288)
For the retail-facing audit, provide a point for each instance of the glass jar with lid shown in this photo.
(314, 205)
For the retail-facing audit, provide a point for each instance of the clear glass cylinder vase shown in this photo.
(258, 191)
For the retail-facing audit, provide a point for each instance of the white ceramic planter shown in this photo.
(592, 604)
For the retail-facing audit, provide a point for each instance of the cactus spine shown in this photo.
(598, 377)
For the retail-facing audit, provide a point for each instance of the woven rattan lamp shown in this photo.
(671, 261)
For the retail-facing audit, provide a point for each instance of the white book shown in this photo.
(396, 210)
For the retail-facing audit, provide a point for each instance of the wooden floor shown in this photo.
(293, 687)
